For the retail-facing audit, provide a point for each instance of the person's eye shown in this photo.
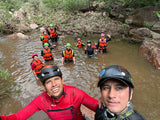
(106, 88)
(119, 88)
(56, 78)
(48, 81)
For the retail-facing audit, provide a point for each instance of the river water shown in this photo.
(16, 56)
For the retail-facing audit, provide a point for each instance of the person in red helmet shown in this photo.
(58, 101)
(102, 43)
(116, 88)
(36, 65)
(79, 43)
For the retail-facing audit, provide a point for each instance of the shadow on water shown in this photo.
(16, 56)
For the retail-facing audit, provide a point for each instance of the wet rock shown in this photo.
(18, 36)
(139, 34)
(150, 50)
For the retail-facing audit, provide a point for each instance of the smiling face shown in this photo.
(115, 95)
(35, 57)
(54, 86)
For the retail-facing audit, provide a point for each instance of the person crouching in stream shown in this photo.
(89, 50)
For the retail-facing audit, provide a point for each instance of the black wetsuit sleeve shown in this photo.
(99, 114)
(109, 40)
(41, 52)
(48, 32)
(85, 52)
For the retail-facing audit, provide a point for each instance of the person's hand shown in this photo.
(37, 78)
(108, 35)
(100, 102)
(95, 43)
(85, 48)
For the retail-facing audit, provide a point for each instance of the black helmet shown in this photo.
(88, 41)
(49, 71)
(115, 72)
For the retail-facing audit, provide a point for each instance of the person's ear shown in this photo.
(131, 94)
(44, 89)
(62, 80)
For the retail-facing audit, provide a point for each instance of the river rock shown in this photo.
(18, 36)
(33, 26)
(150, 50)
(139, 34)
(156, 27)
(20, 14)
(143, 16)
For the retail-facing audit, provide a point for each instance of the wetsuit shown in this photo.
(67, 107)
(90, 51)
(129, 114)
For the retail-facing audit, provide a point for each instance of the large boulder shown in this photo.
(18, 36)
(156, 27)
(143, 16)
(150, 50)
(139, 34)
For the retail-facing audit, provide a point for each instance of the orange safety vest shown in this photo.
(53, 34)
(79, 45)
(38, 65)
(68, 55)
(47, 54)
(102, 44)
(46, 38)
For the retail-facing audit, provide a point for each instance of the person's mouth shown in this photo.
(55, 90)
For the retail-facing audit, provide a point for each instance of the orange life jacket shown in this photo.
(102, 44)
(45, 40)
(38, 65)
(79, 45)
(68, 55)
(47, 54)
(53, 34)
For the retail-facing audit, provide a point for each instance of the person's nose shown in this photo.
(53, 83)
(112, 93)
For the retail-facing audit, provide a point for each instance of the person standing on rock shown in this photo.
(102, 43)
(68, 55)
(52, 33)
(58, 101)
(36, 65)
(116, 88)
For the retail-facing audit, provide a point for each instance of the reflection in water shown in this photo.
(16, 56)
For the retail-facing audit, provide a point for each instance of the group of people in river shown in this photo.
(63, 102)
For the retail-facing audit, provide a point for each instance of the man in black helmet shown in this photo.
(116, 87)
(58, 101)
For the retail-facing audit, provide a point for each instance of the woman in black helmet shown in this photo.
(89, 50)
(116, 87)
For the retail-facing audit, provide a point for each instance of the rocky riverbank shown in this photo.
(140, 26)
